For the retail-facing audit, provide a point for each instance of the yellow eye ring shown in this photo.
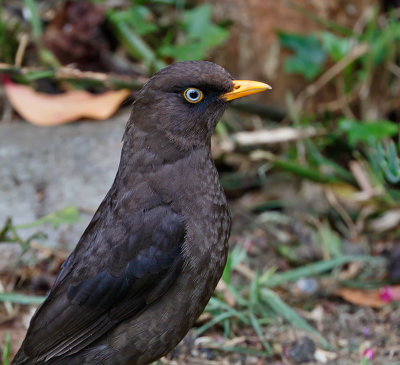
(193, 95)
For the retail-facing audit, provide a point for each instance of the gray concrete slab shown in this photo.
(44, 169)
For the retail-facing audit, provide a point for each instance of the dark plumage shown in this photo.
(150, 259)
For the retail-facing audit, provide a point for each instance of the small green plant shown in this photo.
(68, 215)
(188, 33)
(385, 160)
(6, 350)
(255, 304)
(313, 52)
(152, 32)
(366, 359)
(368, 131)
(9, 232)
(360, 68)
(8, 37)
(309, 55)
(200, 35)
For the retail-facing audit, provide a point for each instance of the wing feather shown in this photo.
(96, 291)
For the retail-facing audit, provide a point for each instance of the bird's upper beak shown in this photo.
(243, 88)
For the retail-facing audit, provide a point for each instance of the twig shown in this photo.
(360, 174)
(363, 20)
(339, 103)
(333, 201)
(19, 56)
(68, 73)
(279, 135)
(7, 305)
(368, 191)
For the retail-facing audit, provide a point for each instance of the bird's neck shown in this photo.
(172, 174)
(147, 150)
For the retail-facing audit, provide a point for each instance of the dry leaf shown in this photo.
(48, 109)
(366, 298)
(389, 220)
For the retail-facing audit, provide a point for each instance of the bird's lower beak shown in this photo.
(243, 88)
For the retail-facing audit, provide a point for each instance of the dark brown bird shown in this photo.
(150, 259)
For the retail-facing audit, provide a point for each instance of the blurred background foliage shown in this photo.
(98, 35)
(312, 170)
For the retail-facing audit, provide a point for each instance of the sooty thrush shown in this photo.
(150, 259)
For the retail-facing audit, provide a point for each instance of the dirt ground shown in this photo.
(351, 330)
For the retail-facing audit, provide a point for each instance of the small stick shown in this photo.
(74, 74)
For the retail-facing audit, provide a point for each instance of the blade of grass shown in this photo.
(227, 327)
(257, 330)
(282, 309)
(238, 297)
(321, 160)
(133, 43)
(34, 19)
(217, 319)
(368, 285)
(315, 269)
(7, 350)
(239, 350)
(254, 302)
(68, 215)
(21, 298)
(304, 172)
(216, 304)
(235, 257)
(254, 295)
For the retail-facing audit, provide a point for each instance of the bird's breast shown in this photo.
(192, 187)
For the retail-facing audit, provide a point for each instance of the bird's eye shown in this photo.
(193, 95)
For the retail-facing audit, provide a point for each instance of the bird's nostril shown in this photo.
(236, 87)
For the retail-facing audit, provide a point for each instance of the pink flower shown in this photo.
(385, 294)
(368, 353)
(390, 293)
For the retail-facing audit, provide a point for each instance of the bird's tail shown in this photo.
(21, 359)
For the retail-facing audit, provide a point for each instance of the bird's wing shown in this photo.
(133, 263)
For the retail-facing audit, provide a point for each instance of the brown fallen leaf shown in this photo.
(366, 298)
(47, 109)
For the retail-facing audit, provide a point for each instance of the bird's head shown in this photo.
(185, 100)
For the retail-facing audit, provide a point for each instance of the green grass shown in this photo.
(21, 298)
(7, 350)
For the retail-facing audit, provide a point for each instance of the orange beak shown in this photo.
(245, 87)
